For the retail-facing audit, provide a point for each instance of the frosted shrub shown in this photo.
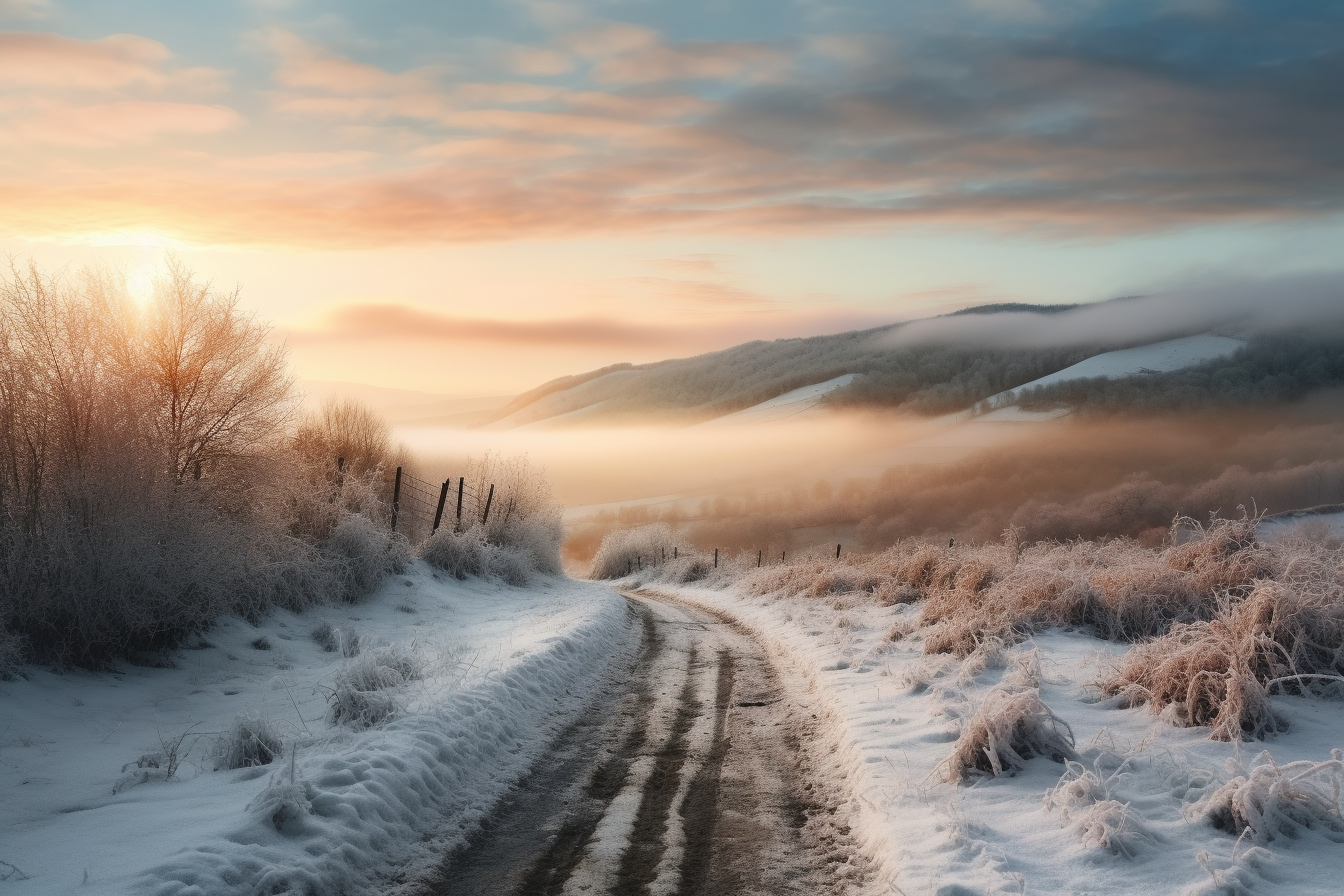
(1219, 673)
(360, 696)
(11, 654)
(151, 484)
(250, 741)
(1113, 826)
(525, 515)
(511, 565)
(461, 554)
(336, 640)
(1083, 797)
(1008, 728)
(364, 554)
(1268, 801)
(287, 803)
(627, 550)
(521, 536)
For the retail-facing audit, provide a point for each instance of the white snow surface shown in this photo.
(893, 714)
(789, 405)
(1328, 524)
(1159, 357)
(501, 670)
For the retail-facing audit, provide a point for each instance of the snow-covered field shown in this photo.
(499, 670)
(496, 671)
(1127, 816)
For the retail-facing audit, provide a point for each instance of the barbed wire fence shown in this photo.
(636, 562)
(420, 508)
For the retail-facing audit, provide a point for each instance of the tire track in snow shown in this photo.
(684, 778)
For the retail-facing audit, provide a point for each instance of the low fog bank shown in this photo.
(869, 480)
(1246, 308)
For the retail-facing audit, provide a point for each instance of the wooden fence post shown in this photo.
(674, 553)
(488, 499)
(443, 496)
(461, 485)
(781, 556)
(837, 552)
(758, 559)
(396, 499)
(716, 558)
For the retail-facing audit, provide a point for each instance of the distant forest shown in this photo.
(1268, 369)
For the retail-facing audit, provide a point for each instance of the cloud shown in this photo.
(538, 60)
(400, 323)
(1088, 120)
(693, 60)
(25, 9)
(50, 60)
(1280, 304)
(301, 64)
(127, 121)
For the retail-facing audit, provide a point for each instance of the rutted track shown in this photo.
(684, 777)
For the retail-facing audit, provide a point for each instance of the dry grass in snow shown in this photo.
(1220, 620)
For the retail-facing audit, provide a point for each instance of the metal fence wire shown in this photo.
(420, 507)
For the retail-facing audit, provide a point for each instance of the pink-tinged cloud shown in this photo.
(116, 62)
(400, 323)
(545, 61)
(384, 324)
(110, 124)
(693, 61)
(610, 39)
(301, 64)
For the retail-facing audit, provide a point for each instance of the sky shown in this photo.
(472, 198)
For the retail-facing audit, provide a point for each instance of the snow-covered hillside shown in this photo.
(789, 406)
(1158, 357)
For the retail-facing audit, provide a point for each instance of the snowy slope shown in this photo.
(789, 405)
(501, 669)
(893, 714)
(1159, 357)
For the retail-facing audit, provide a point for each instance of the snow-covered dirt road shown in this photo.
(690, 772)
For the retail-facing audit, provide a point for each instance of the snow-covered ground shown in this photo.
(499, 670)
(1159, 357)
(1137, 784)
(1322, 523)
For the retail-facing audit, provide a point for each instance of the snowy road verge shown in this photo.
(1136, 812)
(496, 671)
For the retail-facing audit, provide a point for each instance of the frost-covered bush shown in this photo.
(1220, 672)
(1008, 728)
(347, 642)
(1086, 804)
(461, 554)
(250, 741)
(630, 550)
(1267, 801)
(150, 483)
(360, 696)
(364, 553)
(521, 535)
(11, 654)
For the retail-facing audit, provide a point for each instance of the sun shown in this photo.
(140, 283)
